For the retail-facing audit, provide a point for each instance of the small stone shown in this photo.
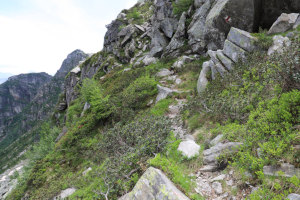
(219, 178)
(216, 140)
(217, 186)
(229, 183)
(163, 93)
(279, 43)
(164, 72)
(86, 171)
(209, 168)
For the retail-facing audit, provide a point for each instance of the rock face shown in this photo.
(236, 46)
(16, 94)
(154, 185)
(213, 21)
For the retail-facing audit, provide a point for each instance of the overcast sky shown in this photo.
(37, 35)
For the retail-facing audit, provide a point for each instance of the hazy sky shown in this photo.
(36, 35)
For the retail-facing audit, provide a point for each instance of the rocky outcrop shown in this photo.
(212, 154)
(236, 47)
(213, 21)
(154, 185)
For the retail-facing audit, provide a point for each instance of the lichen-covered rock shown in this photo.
(284, 23)
(242, 38)
(233, 51)
(154, 185)
(211, 155)
(287, 169)
(279, 44)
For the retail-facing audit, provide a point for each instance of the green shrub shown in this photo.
(93, 94)
(181, 6)
(139, 92)
(161, 107)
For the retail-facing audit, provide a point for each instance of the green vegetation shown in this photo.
(177, 167)
(259, 105)
(181, 6)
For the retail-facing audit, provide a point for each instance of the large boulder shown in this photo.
(284, 23)
(154, 185)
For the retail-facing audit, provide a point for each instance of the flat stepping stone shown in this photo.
(242, 39)
(233, 51)
(227, 62)
(209, 168)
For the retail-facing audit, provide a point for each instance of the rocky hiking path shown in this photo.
(211, 183)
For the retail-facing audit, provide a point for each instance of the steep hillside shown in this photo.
(183, 102)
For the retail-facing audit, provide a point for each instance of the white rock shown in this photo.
(279, 43)
(164, 72)
(76, 70)
(217, 186)
(219, 178)
(65, 193)
(163, 93)
(229, 183)
(86, 171)
(293, 197)
(189, 148)
(216, 140)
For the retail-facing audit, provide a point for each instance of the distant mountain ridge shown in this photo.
(35, 105)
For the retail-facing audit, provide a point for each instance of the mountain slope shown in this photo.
(134, 105)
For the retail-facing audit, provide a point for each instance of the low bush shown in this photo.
(181, 6)
(138, 92)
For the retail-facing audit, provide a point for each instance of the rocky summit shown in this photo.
(188, 99)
